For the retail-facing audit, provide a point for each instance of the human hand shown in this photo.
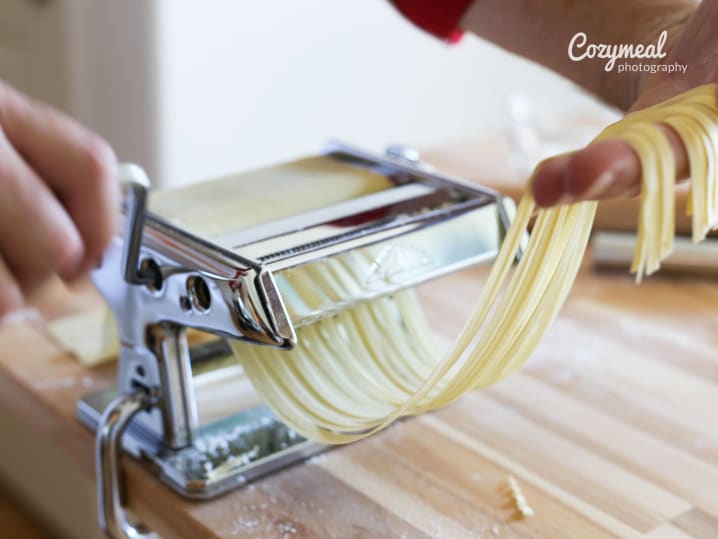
(58, 197)
(610, 168)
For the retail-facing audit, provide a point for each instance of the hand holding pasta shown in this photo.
(610, 167)
(353, 374)
(58, 198)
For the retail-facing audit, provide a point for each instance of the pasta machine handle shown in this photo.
(108, 448)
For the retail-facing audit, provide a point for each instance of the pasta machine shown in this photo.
(213, 259)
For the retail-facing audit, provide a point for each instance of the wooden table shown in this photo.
(611, 431)
(17, 522)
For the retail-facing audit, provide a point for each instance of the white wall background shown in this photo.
(195, 89)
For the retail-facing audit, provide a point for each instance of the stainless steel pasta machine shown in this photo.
(162, 276)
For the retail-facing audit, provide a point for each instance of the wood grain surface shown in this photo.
(16, 522)
(610, 431)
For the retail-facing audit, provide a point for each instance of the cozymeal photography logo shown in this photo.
(617, 55)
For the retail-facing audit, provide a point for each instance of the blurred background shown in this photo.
(194, 89)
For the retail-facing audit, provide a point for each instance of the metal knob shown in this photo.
(403, 153)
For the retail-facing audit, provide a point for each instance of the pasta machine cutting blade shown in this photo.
(202, 258)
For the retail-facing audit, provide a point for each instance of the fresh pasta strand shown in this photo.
(355, 372)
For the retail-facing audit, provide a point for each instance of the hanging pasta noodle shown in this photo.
(354, 373)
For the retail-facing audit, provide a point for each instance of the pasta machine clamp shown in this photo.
(161, 277)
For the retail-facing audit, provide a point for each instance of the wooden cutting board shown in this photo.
(611, 430)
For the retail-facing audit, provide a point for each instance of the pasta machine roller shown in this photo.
(219, 257)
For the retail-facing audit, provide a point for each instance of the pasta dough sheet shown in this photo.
(354, 373)
(212, 209)
(90, 336)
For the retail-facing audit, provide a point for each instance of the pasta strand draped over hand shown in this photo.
(354, 373)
